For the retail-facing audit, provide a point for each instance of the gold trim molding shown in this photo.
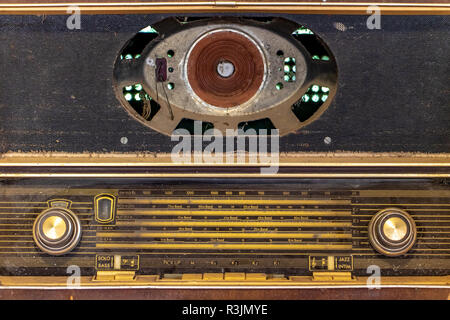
(357, 8)
(237, 280)
(337, 159)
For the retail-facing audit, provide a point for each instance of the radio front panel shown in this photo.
(280, 228)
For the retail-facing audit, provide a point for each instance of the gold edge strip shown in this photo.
(228, 6)
(165, 164)
(227, 246)
(223, 235)
(341, 159)
(187, 212)
(91, 253)
(250, 280)
(284, 162)
(225, 223)
(230, 3)
(224, 175)
(124, 200)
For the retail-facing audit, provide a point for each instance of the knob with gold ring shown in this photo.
(392, 232)
(57, 231)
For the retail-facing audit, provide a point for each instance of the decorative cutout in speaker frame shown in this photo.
(296, 63)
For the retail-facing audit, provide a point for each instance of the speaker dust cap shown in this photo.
(225, 68)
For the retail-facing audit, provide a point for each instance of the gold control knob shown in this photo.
(395, 228)
(57, 231)
(392, 232)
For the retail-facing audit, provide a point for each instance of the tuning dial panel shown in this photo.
(392, 232)
(57, 231)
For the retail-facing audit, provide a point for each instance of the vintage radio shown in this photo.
(128, 134)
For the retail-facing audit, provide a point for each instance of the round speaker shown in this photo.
(228, 73)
